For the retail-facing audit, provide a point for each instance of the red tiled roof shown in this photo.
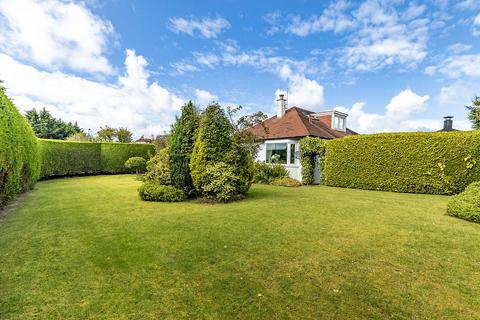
(296, 123)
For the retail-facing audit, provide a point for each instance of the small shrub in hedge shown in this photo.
(150, 191)
(286, 182)
(136, 164)
(311, 150)
(266, 173)
(466, 205)
(158, 168)
(428, 162)
(19, 156)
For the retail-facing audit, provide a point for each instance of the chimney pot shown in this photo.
(281, 105)
(448, 123)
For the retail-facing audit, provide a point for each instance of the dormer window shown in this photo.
(339, 122)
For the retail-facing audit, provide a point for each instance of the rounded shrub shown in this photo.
(150, 191)
(466, 205)
(158, 168)
(286, 182)
(221, 183)
(19, 156)
(136, 164)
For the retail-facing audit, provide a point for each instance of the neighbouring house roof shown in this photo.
(296, 123)
(142, 139)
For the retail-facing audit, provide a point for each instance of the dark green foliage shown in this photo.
(311, 150)
(19, 157)
(158, 168)
(181, 145)
(436, 163)
(286, 182)
(266, 173)
(69, 158)
(46, 126)
(114, 155)
(466, 205)
(213, 141)
(123, 135)
(136, 164)
(150, 191)
(474, 113)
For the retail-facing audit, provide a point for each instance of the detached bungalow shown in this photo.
(279, 136)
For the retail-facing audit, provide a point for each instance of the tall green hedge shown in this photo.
(435, 163)
(19, 157)
(114, 155)
(70, 158)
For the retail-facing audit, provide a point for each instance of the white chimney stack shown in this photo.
(281, 105)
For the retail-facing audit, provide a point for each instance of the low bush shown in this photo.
(466, 205)
(286, 182)
(114, 155)
(19, 156)
(136, 164)
(158, 168)
(429, 162)
(150, 191)
(266, 173)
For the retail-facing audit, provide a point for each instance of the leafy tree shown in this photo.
(160, 141)
(181, 145)
(46, 126)
(106, 134)
(124, 135)
(137, 164)
(474, 113)
(80, 136)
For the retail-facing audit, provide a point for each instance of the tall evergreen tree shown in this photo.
(46, 126)
(181, 145)
(212, 144)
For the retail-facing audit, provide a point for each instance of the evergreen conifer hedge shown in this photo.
(19, 157)
(428, 162)
(70, 158)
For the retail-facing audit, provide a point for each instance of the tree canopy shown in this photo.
(46, 126)
(474, 113)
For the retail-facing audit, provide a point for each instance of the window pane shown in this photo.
(277, 152)
(292, 153)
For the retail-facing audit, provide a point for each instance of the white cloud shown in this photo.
(302, 92)
(476, 26)
(333, 18)
(133, 101)
(397, 117)
(206, 27)
(413, 11)
(203, 97)
(55, 34)
(458, 48)
(183, 68)
(458, 94)
(458, 66)
(468, 4)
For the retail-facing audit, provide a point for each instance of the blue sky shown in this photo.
(392, 65)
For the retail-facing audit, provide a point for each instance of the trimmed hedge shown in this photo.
(19, 156)
(435, 162)
(114, 155)
(466, 205)
(70, 158)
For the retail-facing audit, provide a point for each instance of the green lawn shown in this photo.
(90, 248)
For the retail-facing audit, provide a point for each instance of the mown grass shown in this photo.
(90, 248)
